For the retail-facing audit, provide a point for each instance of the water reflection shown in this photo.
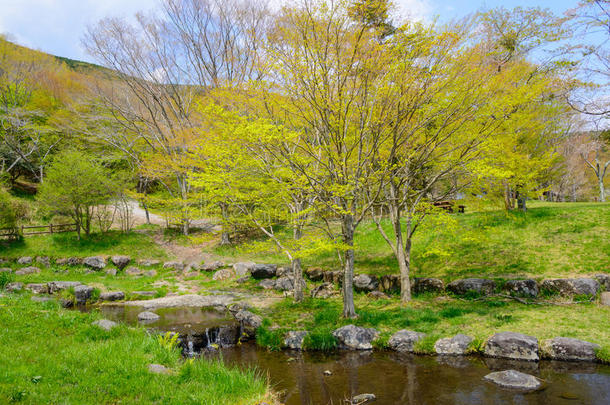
(416, 380)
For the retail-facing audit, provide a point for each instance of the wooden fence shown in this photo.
(13, 233)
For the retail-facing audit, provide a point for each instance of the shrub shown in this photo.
(12, 211)
(75, 185)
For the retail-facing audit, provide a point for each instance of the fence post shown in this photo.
(51, 228)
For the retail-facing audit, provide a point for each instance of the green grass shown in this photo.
(55, 356)
(442, 318)
(550, 240)
(100, 280)
(135, 244)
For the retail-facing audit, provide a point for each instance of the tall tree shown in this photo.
(166, 61)
(327, 67)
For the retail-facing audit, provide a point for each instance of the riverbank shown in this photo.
(51, 355)
(436, 318)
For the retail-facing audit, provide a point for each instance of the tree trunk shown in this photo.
(508, 198)
(224, 237)
(297, 269)
(402, 251)
(349, 310)
(521, 202)
(404, 264)
(297, 272)
(602, 190)
(146, 212)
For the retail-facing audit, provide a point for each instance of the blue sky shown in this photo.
(56, 26)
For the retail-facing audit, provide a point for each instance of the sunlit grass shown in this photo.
(50, 355)
(551, 239)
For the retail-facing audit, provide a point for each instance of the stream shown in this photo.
(393, 378)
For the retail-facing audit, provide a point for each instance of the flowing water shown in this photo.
(393, 378)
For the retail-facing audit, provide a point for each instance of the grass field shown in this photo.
(550, 240)
(61, 245)
(53, 356)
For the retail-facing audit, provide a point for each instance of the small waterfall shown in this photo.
(211, 336)
(207, 338)
(190, 351)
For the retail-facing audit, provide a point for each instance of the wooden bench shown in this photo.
(448, 206)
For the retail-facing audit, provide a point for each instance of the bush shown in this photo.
(12, 211)
(75, 185)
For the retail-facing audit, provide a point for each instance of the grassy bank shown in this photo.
(54, 356)
(61, 245)
(438, 317)
(162, 282)
(550, 240)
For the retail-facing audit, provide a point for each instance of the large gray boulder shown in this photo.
(242, 269)
(175, 265)
(133, 271)
(457, 345)
(514, 380)
(362, 399)
(148, 316)
(522, 288)
(112, 296)
(37, 288)
(14, 287)
(378, 295)
(27, 270)
(56, 286)
(82, 293)
(44, 261)
(335, 277)
(365, 282)
(120, 261)
(105, 324)
(212, 266)
(267, 284)
(249, 322)
(263, 270)
(95, 262)
(223, 274)
(314, 273)
(512, 345)
(294, 339)
(286, 283)
(25, 260)
(571, 286)
(148, 262)
(568, 349)
(352, 337)
(284, 271)
(404, 340)
(158, 369)
(324, 290)
(604, 281)
(69, 261)
(389, 283)
(478, 285)
(427, 285)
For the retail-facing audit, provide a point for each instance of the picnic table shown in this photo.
(449, 206)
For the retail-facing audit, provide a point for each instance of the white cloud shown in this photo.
(414, 9)
(56, 26)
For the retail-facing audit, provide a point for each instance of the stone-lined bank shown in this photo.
(502, 345)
